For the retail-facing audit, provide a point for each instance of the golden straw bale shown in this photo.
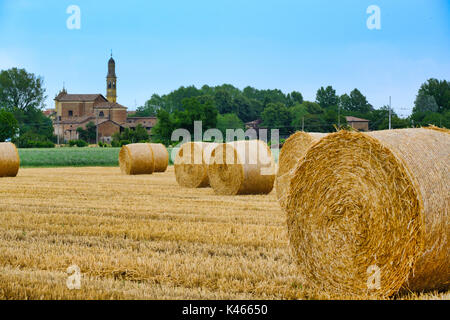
(161, 156)
(294, 148)
(368, 207)
(9, 160)
(431, 127)
(190, 164)
(136, 158)
(242, 167)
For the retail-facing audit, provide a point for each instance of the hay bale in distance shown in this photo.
(9, 160)
(190, 164)
(377, 202)
(161, 156)
(242, 167)
(137, 158)
(294, 148)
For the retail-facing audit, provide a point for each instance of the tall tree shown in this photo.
(425, 103)
(440, 90)
(8, 125)
(20, 90)
(277, 116)
(327, 97)
(356, 102)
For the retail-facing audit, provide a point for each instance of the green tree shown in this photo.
(298, 113)
(356, 102)
(425, 103)
(20, 90)
(8, 125)
(440, 90)
(89, 134)
(229, 121)
(312, 107)
(294, 98)
(243, 108)
(326, 97)
(223, 101)
(277, 116)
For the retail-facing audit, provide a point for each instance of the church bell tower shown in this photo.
(111, 81)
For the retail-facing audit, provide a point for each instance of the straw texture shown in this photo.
(191, 164)
(294, 148)
(136, 159)
(438, 129)
(9, 160)
(360, 202)
(242, 167)
(161, 157)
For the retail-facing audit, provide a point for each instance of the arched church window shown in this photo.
(109, 85)
(70, 113)
(101, 114)
(114, 85)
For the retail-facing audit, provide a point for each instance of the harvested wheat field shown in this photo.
(142, 237)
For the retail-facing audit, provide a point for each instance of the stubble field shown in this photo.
(141, 237)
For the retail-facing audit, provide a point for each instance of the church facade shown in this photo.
(73, 111)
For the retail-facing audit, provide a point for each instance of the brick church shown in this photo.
(77, 110)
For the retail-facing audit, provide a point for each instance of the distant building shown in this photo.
(358, 123)
(255, 124)
(77, 110)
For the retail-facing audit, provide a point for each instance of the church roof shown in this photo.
(78, 97)
(109, 105)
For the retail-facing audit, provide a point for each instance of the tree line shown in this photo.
(22, 97)
(227, 107)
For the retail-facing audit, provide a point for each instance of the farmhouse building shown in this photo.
(73, 111)
(358, 123)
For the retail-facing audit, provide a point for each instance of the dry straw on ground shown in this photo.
(137, 158)
(294, 148)
(161, 156)
(191, 164)
(358, 202)
(9, 160)
(242, 167)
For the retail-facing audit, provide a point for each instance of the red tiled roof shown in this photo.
(355, 119)
(66, 97)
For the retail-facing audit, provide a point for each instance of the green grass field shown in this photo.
(75, 157)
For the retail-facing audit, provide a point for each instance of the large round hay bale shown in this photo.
(431, 127)
(190, 164)
(294, 148)
(137, 158)
(9, 160)
(161, 156)
(368, 213)
(242, 167)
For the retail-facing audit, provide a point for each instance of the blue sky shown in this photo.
(291, 45)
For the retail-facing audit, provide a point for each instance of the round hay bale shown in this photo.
(9, 160)
(137, 158)
(242, 167)
(161, 156)
(368, 213)
(294, 148)
(431, 127)
(190, 164)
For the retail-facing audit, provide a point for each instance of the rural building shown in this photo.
(77, 110)
(358, 123)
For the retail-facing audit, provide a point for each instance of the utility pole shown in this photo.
(390, 108)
